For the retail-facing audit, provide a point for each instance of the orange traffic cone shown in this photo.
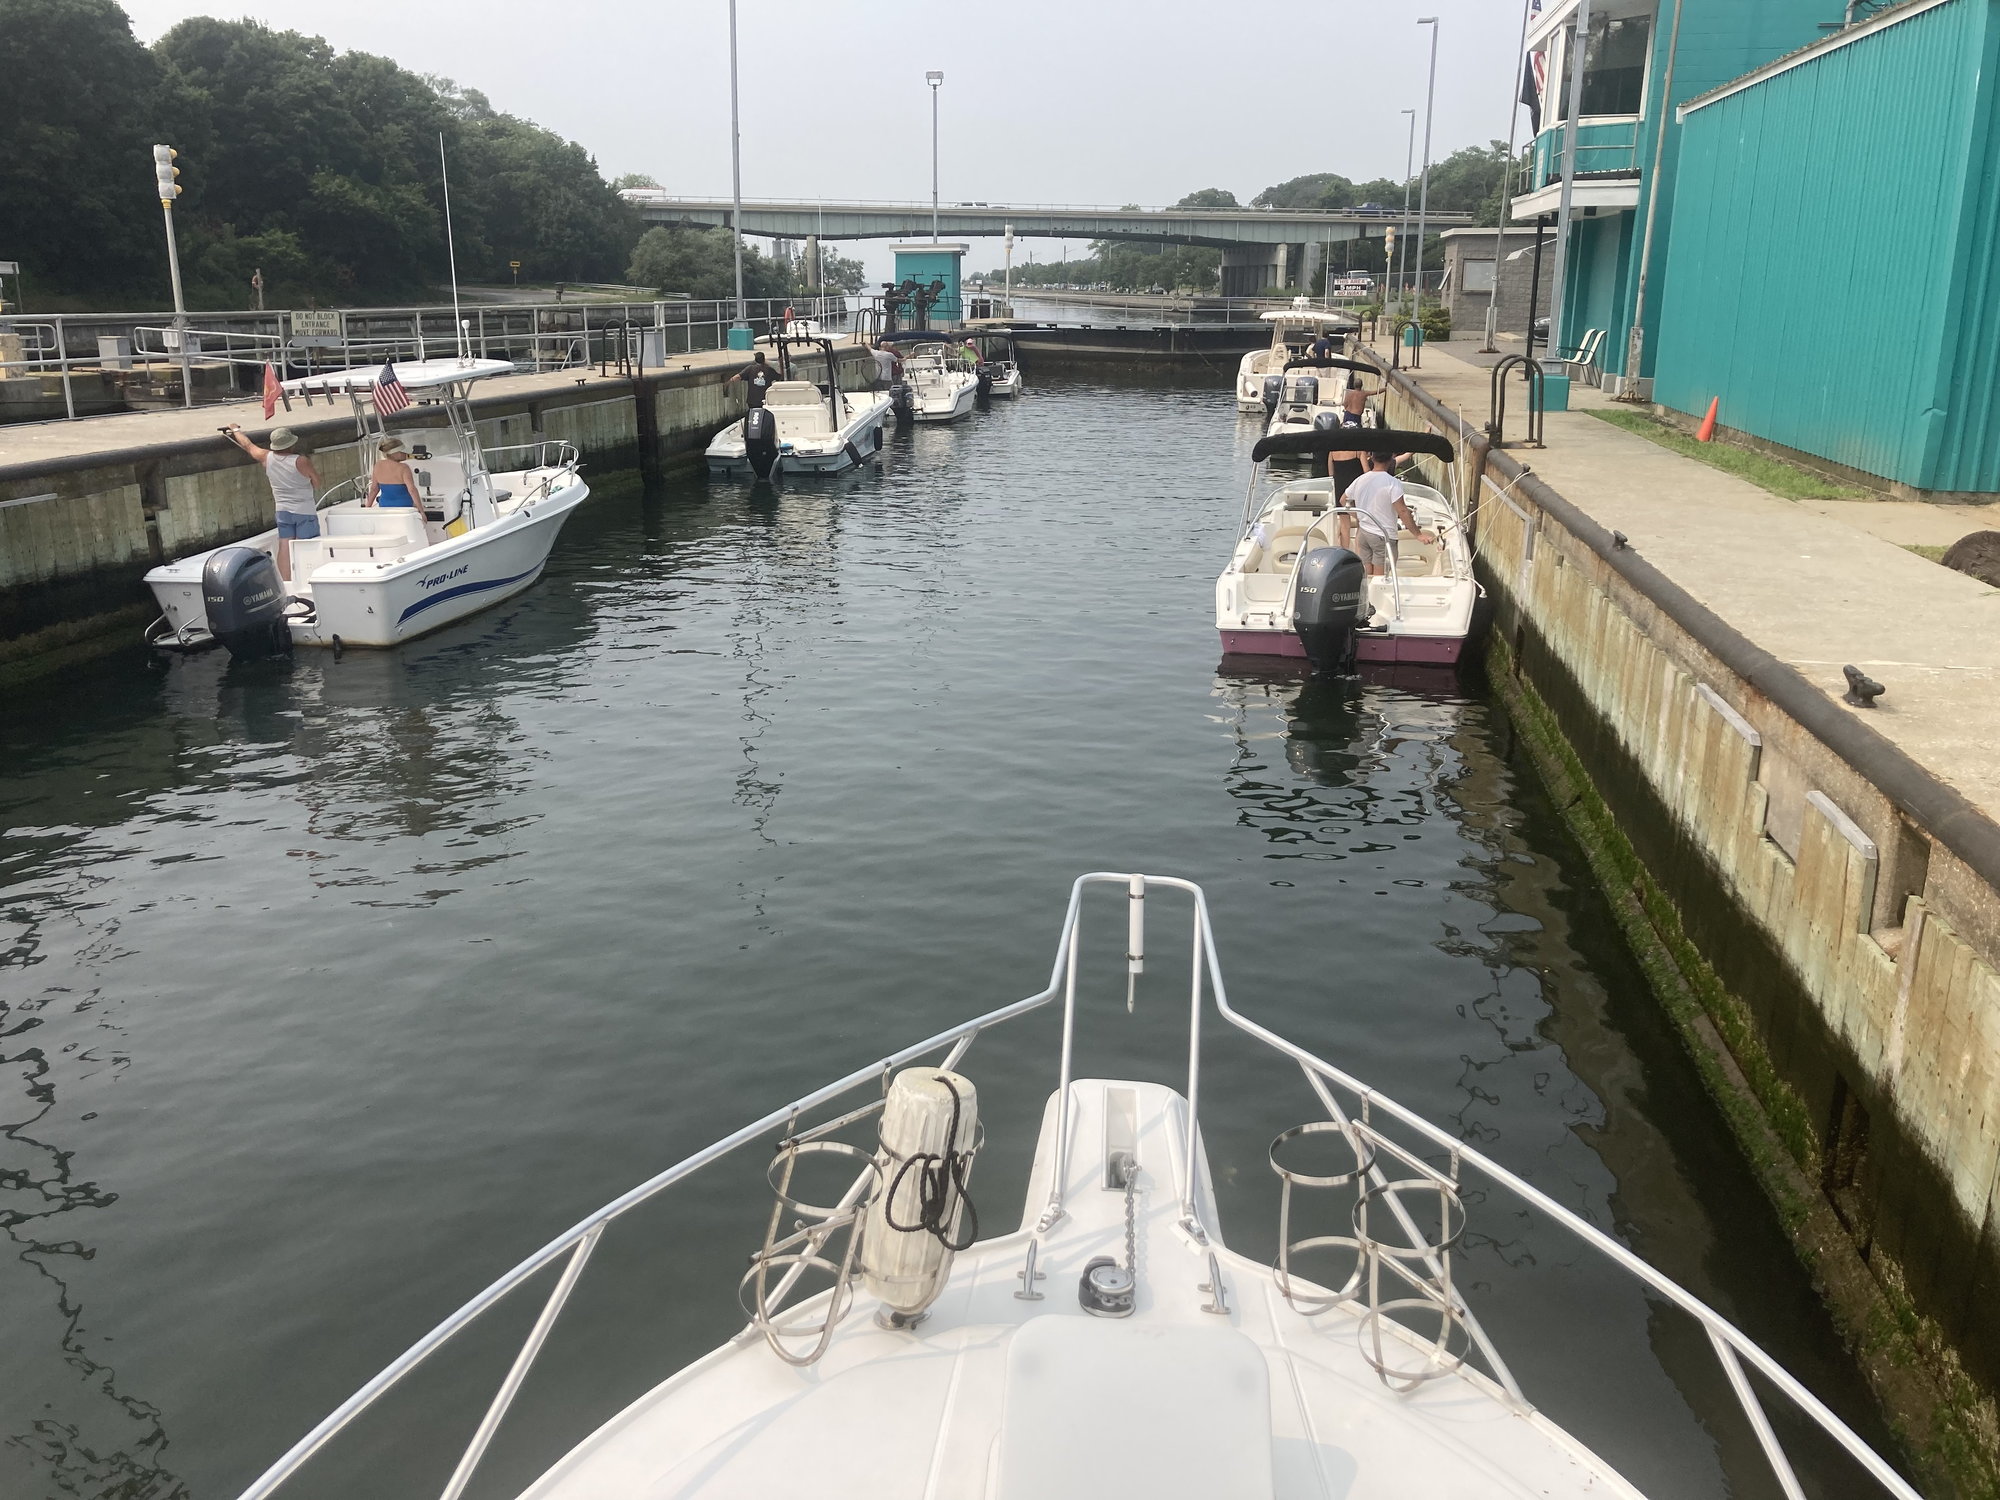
(1706, 432)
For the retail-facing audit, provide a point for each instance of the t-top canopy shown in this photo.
(1330, 363)
(1353, 440)
(412, 375)
(1304, 315)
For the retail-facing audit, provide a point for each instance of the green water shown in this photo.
(332, 990)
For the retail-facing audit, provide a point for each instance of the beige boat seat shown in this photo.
(793, 393)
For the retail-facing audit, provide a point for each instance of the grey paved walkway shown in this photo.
(1816, 583)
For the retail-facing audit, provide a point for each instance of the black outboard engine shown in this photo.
(1326, 421)
(900, 402)
(245, 599)
(985, 373)
(1323, 610)
(760, 441)
(1274, 391)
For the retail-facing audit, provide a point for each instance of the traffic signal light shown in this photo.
(164, 173)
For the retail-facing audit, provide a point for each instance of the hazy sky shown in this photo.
(1090, 101)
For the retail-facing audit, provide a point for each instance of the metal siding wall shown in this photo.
(1967, 384)
(1812, 246)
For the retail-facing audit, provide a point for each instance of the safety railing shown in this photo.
(1354, 1111)
(107, 362)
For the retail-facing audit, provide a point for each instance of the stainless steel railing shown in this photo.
(1353, 1109)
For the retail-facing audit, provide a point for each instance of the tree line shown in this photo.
(1469, 181)
(319, 168)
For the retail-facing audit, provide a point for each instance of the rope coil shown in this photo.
(940, 1179)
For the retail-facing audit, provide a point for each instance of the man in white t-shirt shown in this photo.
(1377, 496)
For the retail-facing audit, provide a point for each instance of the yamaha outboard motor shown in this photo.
(899, 401)
(245, 599)
(1326, 421)
(1274, 391)
(760, 441)
(1323, 611)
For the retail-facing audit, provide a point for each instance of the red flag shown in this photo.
(271, 392)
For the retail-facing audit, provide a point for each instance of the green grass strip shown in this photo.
(1773, 474)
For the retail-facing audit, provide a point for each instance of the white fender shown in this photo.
(904, 1259)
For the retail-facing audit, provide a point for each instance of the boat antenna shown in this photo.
(451, 249)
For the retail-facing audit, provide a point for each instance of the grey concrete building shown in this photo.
(1468, 277)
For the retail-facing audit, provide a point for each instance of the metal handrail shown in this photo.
(1733, 1348)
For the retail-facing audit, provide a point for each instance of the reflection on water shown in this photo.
(333, 988)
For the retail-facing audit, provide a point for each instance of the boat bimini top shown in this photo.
(1112, 1344)
(1354, 440)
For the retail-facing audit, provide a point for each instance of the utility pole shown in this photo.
(738, 334)
(1635, 346)
(1506, 182)
(164, 173)
(1424, 195)
(1579, 43)
(934, 78)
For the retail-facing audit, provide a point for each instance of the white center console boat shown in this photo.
(1292, 329)
(805, 428)
(1292, 589)
(1112, 1344)
(481, 530)
(943, 386)
(1313, 393)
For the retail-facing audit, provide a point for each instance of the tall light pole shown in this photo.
(934, 78)
(164, 173)
(1409, 171)
(1424, 193)
(736, 188)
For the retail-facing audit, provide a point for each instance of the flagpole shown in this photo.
(1501, 215)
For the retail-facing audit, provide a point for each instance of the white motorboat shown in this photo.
(1113, 1344)
(376, 575)
(1292, 330)
(942, 384)
(999, 365)
(1312, 393)
(1291, 590)
(808, 429)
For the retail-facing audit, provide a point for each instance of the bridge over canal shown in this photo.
(1260, 247)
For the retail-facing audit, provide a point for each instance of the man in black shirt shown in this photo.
(759, 376)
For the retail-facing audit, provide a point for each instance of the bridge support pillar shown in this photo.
(1248, 269)
(812, 262)
(1309, 271)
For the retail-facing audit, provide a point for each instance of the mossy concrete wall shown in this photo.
(1843, 939)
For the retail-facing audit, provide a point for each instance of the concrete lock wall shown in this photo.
(78, 534)
(1846, 901)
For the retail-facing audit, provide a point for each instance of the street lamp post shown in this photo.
(164, 173)
(1491, 345)
(1403, 236)
(934, 78)
(736, 182)
(1424, 193)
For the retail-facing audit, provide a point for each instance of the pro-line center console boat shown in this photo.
(943, 384)
(1292, 329)
(802, 428)
(1112, 1346)
(999, 364)
(1291, 589)
(375, 575)
(1313, 392)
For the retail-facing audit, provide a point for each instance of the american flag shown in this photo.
(390, 397)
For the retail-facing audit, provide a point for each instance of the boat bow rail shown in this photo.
(1400, 1270)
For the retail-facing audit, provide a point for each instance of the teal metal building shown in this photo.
(1624, 110)
(1835, 252)
(931, 260)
